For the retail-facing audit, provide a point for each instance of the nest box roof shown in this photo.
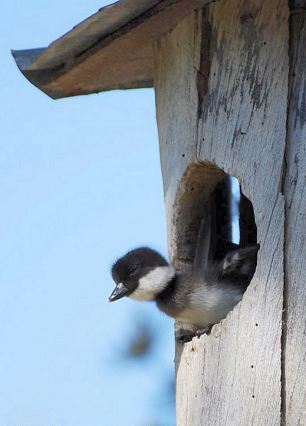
(112, 49)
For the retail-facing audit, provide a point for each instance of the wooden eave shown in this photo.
(112, 49)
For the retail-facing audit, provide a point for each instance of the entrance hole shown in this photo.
(213, 217)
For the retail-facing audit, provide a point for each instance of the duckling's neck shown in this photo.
(153, 283)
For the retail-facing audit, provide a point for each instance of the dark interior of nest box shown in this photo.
(213, 217)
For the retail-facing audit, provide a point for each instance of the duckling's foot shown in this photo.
(202, 331)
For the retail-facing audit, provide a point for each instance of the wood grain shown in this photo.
(221, 86)
(110, 50)
(294, 356)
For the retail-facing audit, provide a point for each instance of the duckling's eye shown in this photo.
(132, 269)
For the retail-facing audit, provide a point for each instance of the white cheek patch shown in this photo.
(153, 283)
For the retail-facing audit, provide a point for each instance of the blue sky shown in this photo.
(80, 183)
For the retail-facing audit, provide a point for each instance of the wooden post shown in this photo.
(294, 338)
(221, 79)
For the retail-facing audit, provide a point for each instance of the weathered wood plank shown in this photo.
(177, 61)
(235, 63)
(243, 131)
(294, 356)
(110, 50)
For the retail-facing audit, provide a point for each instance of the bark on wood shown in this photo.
(221, 94)
(294, 356)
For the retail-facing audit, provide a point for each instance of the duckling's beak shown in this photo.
(119, 291)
